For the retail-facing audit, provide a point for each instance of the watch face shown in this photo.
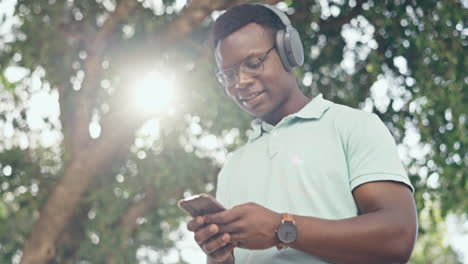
(287, 232)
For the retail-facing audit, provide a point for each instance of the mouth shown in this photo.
(249, 98)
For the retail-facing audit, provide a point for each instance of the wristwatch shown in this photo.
(286, 231)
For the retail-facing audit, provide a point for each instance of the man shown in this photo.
(317, 182)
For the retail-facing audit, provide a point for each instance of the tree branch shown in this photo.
(382, 49)
(86, 97)
(303, 14)
(332, 24)
(40, 247)
(90, 160)
(65, 120)
(137, 210)
(128, 222)
(73, 235)
(335, 24)
(179, 28)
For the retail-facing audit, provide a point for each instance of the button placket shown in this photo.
(274, 143)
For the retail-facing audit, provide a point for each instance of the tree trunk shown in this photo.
(87, 160)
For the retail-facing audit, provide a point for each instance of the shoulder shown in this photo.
(346, 118)
(344, 112)
(233, 157)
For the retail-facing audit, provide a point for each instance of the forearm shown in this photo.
(230, 260)
(369, 238)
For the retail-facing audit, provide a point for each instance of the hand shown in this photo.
(214, 243)
(250, 225)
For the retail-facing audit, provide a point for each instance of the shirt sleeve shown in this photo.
(372, 154)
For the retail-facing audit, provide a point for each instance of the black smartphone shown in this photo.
(200, 204)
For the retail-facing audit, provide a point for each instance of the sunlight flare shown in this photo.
(155, 93)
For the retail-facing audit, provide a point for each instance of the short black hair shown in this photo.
(241, 15)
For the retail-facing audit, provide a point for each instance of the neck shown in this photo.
(293, 104)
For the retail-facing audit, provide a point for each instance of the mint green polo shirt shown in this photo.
(308, 164)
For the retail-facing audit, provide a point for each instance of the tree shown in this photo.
(117, 189)
(432, 247)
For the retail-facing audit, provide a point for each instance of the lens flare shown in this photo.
(155, 93)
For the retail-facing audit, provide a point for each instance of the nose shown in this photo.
(243, 80)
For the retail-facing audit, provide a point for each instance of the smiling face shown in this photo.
(269, 95)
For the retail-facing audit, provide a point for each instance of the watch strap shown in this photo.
(285, 218)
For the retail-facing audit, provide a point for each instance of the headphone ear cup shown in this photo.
(288, 42)
(280, 47)
(294, 48)
(297, 50)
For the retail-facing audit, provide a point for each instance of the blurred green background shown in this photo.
(109, 114)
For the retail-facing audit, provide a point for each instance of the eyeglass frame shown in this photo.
(237, 69)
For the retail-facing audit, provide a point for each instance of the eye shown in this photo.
(253, 63)
(230, 74)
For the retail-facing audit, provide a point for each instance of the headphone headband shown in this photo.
(281, 15)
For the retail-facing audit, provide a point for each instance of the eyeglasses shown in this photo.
(252, 66)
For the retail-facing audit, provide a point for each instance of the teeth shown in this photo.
(250, 97)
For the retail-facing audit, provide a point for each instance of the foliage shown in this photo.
(432, 246)
(401, 59)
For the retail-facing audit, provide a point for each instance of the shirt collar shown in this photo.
(313, 110)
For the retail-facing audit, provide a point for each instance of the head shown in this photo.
(244, 38)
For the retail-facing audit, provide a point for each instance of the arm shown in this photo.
(383, 232)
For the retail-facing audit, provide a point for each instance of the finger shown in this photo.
(202, 235)
(223, 253)
(236, 238)
(195, 223)
(223, 217)
(233, 227)
(216, 243)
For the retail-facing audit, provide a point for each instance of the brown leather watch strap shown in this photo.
(288, 218)
(285, 218)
